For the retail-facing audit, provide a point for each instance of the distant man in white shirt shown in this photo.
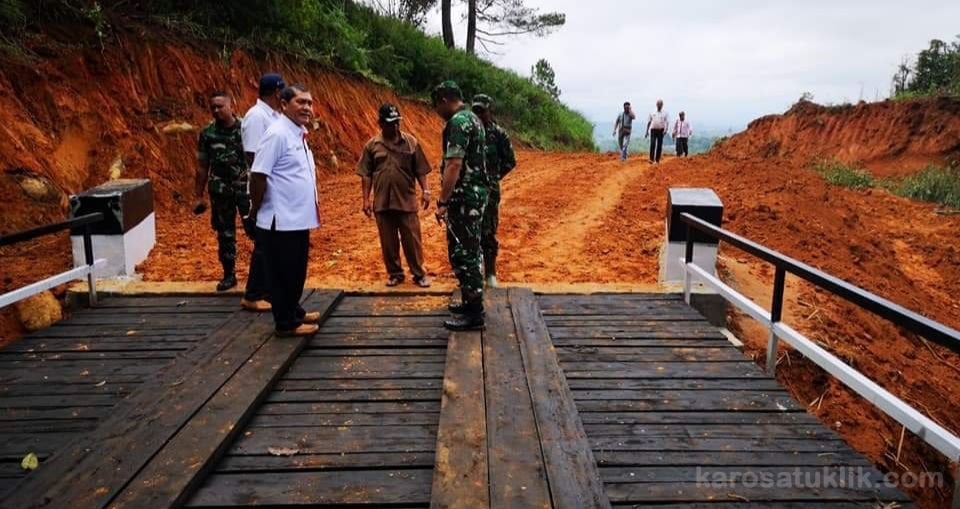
(682, 131)
(656, 128)
(254, 124)
(622, 129)
(283, 188)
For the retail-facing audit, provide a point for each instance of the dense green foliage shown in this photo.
(337, 33)
(936, 71)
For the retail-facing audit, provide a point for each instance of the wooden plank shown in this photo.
(687, 405)
(691, 473)
(517, 471)
(8, 358)
(92, 470)
(372, 342)
(753, 444)
(796, 431)
(585, 344)
(376, 352)
(353, 395)
(340, 440)
(339, 408)
(88, 319)
(725, 353)
(723, 458)
(694, 492)
(674, 417)
(296, 462)
(378, 488)
(320, 420)
(177, 470)
(699, 370)
(691, 384)
(572, 472)
(59, 401)
(350, 384)
(460, 475)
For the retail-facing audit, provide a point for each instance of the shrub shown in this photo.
(838, 174)
(932, 184)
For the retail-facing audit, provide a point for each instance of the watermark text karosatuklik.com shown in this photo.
(826, 477)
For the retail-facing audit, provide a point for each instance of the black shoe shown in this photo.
(467, 322)
(228, 282)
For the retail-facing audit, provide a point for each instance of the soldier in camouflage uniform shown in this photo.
(222, 168)
(500, 160)
(463, 198)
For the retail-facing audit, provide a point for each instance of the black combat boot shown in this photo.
(471, 319)
(229, 281)
(456, 308)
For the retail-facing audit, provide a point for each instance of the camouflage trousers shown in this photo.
(464, 222)
(491, 221)
(224, 207)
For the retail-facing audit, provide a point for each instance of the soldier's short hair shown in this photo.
(291, 91)
(448, 90)
(219, 93)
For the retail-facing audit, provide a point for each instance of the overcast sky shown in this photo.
(727, 62)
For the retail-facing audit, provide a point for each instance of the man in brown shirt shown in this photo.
(391, 165)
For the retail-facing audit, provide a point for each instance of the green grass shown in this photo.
(839, 174)
(932, 184)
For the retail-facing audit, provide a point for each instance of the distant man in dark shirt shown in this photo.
(391, 166)
(622, 129)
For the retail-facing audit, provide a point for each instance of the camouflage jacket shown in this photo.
(500, 156)
(464, 138)
(222, 148)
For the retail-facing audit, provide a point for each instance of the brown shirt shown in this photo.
(394, 168)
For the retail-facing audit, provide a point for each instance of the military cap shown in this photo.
(482, 101)
(389, 113)
(445, 88)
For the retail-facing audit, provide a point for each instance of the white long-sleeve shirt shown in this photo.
(290, 202)
(682, 129)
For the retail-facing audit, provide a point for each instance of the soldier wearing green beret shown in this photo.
(462, 200)
(500, 160)
(222, 169)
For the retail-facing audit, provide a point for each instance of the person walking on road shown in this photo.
(682, 131)
(656, 128)
(391, 166)
(463, 198)
(286, 206)
(500, 161)
(622, 129)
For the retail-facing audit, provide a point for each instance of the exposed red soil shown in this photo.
(566, 217)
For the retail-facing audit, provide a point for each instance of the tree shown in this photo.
(902, 78)
(936, 71)
(412, 11)
(447, 22)
(544, 77)
(492, 19)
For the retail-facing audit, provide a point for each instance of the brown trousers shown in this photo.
(396, 229)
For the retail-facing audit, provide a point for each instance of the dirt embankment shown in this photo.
(892, 138)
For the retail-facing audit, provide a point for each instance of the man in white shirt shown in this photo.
(255, 123)
(682, 132)
(656, 128)
(283, 189)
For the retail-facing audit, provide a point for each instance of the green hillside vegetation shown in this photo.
(935, 72)
(337, 33)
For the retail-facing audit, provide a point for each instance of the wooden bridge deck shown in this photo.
(565, 401)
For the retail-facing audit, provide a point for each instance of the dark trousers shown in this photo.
(656, 144)
(401, 229)
(257, 277)
(683, 148)
(286, 255)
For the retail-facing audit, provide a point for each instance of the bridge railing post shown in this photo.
(88, 258)
(956, 486)
(776, 314)
(687, 260)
